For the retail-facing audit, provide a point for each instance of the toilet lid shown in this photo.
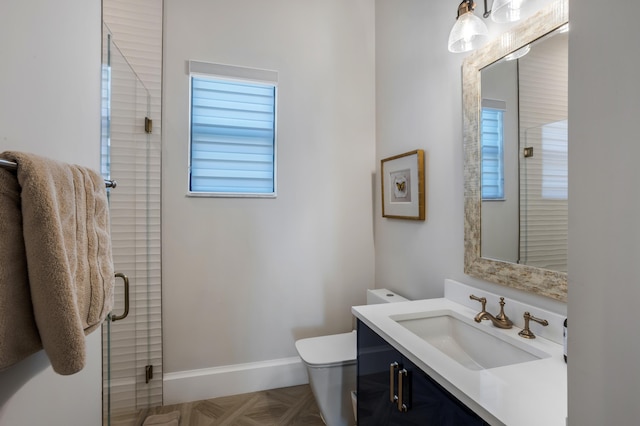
(336, 349)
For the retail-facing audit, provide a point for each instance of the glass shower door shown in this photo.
(544, 191)
(132, 346)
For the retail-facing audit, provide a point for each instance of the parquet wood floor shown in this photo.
(291, 406)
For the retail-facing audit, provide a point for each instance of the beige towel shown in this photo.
(167, 419)
(65, 221)
(19, 336)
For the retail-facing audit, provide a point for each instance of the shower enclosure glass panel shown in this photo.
(544, 190)
(132, 347)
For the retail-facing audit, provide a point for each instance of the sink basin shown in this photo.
(474, 346)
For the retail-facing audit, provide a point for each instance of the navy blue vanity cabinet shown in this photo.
(394, 391)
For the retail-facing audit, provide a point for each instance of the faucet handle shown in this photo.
(526, 333)
(482, 300)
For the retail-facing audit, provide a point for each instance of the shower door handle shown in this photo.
(126, 298)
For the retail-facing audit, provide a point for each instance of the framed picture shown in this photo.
(403, 190)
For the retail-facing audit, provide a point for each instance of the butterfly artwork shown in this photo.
(403, 186)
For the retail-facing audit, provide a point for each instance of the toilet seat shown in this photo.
(328, 351)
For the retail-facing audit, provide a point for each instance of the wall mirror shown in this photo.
(515, 139)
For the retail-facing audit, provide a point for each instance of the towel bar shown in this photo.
(10, 165)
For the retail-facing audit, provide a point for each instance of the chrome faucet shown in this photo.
(500, 320)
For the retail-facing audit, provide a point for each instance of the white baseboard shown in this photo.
(207, 383)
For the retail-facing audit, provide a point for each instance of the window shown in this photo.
(492, 140)
(233, 131)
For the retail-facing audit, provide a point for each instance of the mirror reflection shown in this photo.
(524, 155)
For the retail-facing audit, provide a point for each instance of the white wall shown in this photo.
(418, 102)
(50, 105)
(419, 105)
(604, 207)
(244, 278)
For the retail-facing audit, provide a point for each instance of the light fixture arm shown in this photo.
(465, 7)
(486, 13)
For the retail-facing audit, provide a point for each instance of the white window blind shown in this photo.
(233, 131)
(555, 161)
(492, 138)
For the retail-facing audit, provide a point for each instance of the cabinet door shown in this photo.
(376, 391)
(427, 403)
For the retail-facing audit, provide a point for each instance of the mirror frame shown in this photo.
(540, 281)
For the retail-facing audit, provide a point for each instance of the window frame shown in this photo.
(241, 75)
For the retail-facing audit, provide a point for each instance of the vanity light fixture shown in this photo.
(469, 32)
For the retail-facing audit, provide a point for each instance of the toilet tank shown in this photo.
(382, 295)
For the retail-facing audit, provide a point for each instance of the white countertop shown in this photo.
(530, 393)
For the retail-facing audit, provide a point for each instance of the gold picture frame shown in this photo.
(403, 187)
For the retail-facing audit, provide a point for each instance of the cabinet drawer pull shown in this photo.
(404, 399)
(392, 378)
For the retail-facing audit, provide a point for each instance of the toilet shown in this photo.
(331, 366)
